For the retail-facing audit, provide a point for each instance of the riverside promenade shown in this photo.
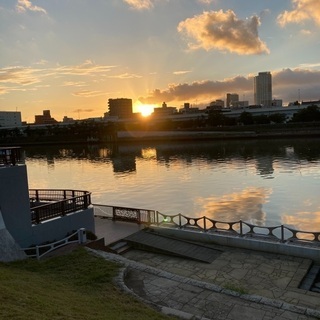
(238, 284)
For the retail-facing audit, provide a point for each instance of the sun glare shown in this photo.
(145, 109)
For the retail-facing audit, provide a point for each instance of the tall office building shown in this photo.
(232, 99)
(263, 89)
(121, 108)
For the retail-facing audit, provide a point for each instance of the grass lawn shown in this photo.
(73, 286)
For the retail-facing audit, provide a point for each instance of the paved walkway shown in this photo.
(238, 284)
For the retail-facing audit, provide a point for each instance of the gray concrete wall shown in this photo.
(245, 243)
(15, 208)
(14, 201)
(58, 228)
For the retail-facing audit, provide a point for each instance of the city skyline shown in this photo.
(71, 57)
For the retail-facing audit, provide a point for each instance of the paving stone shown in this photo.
(199, 293)
(247, 313)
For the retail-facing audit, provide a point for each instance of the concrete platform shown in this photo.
(239, 284)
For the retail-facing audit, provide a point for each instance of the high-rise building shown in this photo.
(120, 107)
(232, 98)
(263, 89)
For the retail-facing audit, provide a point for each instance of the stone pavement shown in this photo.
(194, 296)
(238, 284)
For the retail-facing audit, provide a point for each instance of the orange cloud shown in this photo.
(19, 75)
(302, 10)
(219, 30)
(139, 4)
(24, 5)
(87, 68)
(126, 76)
(88, 93)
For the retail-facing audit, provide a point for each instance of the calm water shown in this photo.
(267, 182)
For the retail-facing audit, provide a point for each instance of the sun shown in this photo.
(145, 109)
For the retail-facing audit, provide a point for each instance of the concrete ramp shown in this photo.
(9, 249)
(153, 242)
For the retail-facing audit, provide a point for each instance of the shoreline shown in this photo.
(176, 136)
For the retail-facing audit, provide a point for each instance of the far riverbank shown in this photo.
(49, 137)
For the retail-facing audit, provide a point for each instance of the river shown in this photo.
(264, 182)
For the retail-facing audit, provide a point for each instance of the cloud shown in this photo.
(181, 72)
(22, 76)
(305, 32)
(199, 89)
(74, 84)
(87, 68)
(26, 76)
(19, 75)
(126, 76)
(219, 30)
(292, 77)
(25, 5)
(310, 65)
(302, 10)
(88, 93)
(206, 1)
(286, 82)
(140, 4)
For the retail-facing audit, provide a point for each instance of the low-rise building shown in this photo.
(45, 118)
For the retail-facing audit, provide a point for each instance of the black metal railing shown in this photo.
(10, 156)
(239, 228)
(141, 216)
(47, 204)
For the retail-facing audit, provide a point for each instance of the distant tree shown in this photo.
(261, 119)
(246, 118)
(309, 114)
(277, 118)
(216, 118)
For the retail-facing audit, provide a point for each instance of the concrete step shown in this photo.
(119, 247)
(310, 278)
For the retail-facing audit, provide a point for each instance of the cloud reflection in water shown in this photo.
(246, 205)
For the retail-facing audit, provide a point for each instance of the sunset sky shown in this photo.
(71, 56)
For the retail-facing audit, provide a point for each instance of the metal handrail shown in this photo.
(39, 251)
(240, 228)
(47, 204)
